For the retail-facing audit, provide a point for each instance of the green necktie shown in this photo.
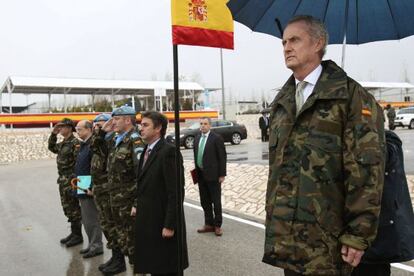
(201, 151)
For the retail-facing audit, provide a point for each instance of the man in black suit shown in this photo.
(155, 208)
(264, 126)
(210, 159)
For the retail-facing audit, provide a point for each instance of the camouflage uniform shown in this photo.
(122, 167)
(391, 118)
(325, 175)
(99, 147)
(66, 151)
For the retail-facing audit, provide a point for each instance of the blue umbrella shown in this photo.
(347, 21)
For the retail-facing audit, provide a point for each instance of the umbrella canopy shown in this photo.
(361, 20)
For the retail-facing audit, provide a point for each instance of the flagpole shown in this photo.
(179, 207)
(222, 85)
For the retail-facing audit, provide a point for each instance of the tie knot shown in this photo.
(301, 85)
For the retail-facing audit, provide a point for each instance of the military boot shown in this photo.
(109, 262)
(76, 238)
(117, 266)
(65, 240)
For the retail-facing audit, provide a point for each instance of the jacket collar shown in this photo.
(151, 157)
(331, 73)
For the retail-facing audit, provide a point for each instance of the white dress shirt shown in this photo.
(311, 81)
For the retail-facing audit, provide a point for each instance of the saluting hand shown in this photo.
(167, 233)
(108, 126)
(56, 129)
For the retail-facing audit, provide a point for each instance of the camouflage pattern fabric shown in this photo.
(122, 168)
(99, 147)
(325, 175)
(66, 151)
(391, 118)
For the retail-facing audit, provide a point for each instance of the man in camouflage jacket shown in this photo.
(66, 159)
(99, 147)
(123, 155)
(326, 162)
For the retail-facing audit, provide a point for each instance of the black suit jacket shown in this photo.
(156, 209)
(214, 157)
(262, 123)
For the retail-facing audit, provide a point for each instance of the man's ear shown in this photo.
(320, 43)
(158, 128)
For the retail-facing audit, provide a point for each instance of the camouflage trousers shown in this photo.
(391, 124)
(105, 217)
(70, 203)
(123, 225)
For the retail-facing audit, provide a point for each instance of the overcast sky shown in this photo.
(131, 39)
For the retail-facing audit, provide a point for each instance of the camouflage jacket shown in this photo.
(99, 146)
(122, 167)
(66, 151)
(325, 175)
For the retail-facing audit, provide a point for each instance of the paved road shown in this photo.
(31, 224)
(256, 152)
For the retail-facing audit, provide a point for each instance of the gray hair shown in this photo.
(316, 29)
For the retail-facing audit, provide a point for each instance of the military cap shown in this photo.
(67, 122)
(102, 117)
(124, 111)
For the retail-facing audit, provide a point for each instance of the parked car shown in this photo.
(405, 117)
(230, 131)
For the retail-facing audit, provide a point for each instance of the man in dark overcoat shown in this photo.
(155, 209)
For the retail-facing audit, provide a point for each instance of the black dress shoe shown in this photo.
(65, 240)
(83, 251)
(75, 240)
(92, 253)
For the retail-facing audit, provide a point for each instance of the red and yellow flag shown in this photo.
(202, 23)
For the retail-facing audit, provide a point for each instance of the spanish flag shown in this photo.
(202, 23)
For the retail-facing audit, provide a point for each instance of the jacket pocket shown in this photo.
(369, 157)
(324, 141)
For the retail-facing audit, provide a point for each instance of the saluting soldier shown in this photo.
(124, 151)
(99, 147)
(67, 151)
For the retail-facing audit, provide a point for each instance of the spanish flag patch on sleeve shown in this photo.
(366, 112)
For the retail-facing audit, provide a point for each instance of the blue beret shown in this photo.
(124, 111)
(102, 117)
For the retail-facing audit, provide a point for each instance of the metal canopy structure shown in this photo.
(93, 87)
(386, 85)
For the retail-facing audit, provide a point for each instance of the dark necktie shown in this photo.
(146, 155)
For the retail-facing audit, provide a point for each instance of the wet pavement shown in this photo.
(252, 151)
(32, 222)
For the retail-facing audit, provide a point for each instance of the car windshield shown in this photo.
(406, 111)
(195, 126)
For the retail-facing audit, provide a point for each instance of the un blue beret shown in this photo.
(124, 111)
(102, 117)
